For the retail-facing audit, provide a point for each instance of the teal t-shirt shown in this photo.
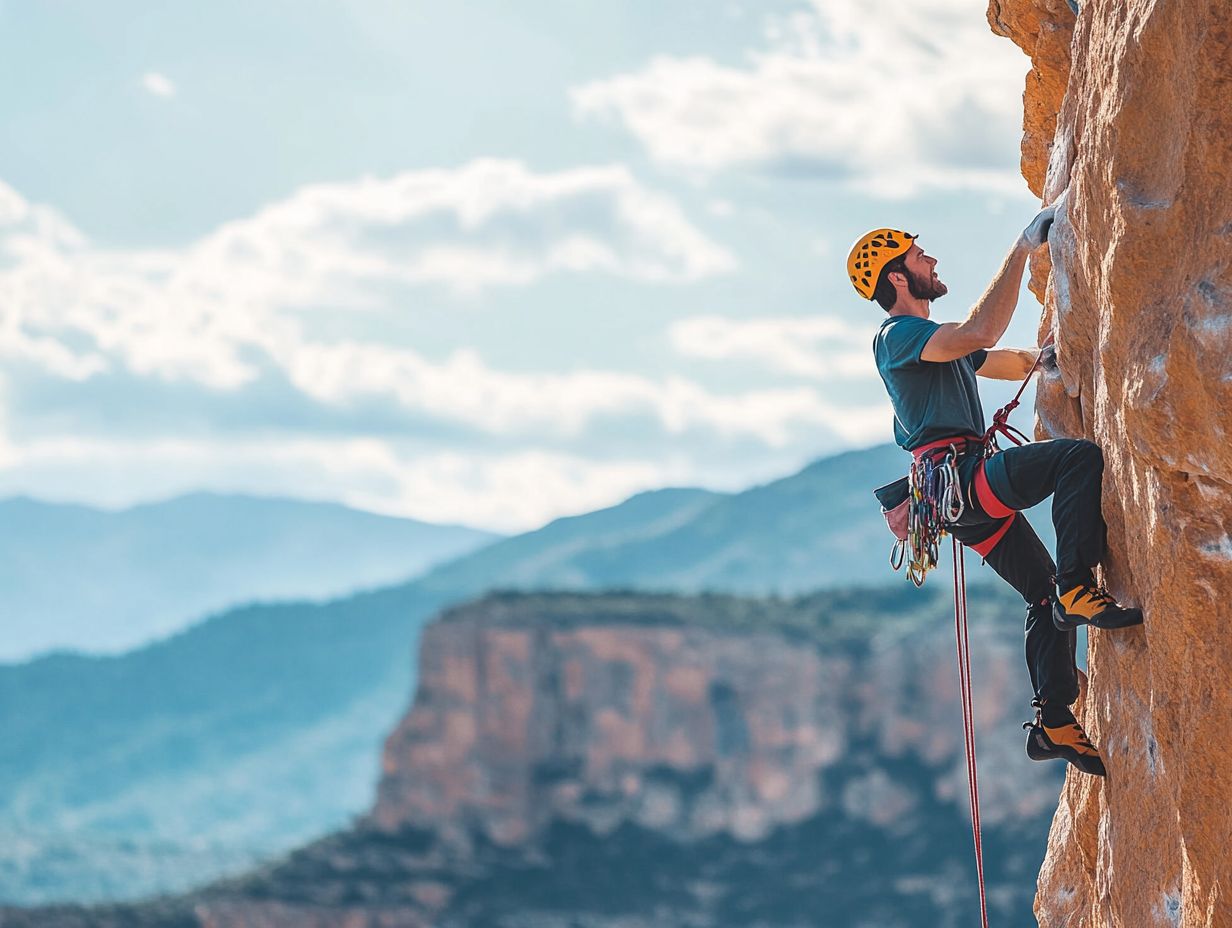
(931, 399)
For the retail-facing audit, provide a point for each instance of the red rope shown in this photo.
(1000, 419)
(964, 682)
(1000, 423)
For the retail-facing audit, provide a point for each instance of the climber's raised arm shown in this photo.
(991, 315)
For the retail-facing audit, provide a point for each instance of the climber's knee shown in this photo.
(1088, 454)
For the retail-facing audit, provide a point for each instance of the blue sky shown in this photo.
(471, 262)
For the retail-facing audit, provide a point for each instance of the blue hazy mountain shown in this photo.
(98, 581)
(260, 728)
(818, 528)
(234, 739)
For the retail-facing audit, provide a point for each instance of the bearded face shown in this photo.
(925, 286)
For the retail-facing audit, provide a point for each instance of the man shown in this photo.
(929, 370)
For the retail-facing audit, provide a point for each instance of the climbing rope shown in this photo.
(964, 684)
(936, 501)
(1000, 419)
(1000, 423)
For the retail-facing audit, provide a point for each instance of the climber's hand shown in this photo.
(1036, 233)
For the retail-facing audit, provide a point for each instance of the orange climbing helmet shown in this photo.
(869, 255)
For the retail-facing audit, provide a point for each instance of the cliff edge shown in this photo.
(1138, 293)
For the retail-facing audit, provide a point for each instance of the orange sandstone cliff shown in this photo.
(1128, 112)
(673, 759)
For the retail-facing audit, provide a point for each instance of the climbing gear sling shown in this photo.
(936, 500)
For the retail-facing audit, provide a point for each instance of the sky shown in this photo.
(476, 262)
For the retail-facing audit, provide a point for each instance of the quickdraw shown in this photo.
(935, 501)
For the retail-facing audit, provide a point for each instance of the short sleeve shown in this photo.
(903, 340)
(978, 357)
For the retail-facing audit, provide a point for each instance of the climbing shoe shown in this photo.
(1089, 604)
(1066, 741)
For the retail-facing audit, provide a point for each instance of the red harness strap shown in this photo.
(995, 508)
(984, 548)
(960, 441)
(987, 498)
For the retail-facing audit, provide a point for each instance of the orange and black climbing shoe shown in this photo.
(1089, 604)
(1067, 741)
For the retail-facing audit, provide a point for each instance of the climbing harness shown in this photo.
(919, 507)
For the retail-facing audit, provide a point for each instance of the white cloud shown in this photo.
(227, 312)
(210, 314)
(892, 97)
(465, 389)
(158, 84)
(510, 492)
(489, 223)
(518, 491)
(195, 313)
(814, 347)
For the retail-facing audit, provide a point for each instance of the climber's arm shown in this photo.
(1007, 364)
(991, 315)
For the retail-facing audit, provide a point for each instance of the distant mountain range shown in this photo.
(98, 581)
(811, 530)
(260, 728)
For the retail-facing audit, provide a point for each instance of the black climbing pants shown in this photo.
(1071, 470)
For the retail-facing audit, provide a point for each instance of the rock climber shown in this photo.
(929, 370)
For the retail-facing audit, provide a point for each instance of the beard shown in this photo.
(926, 288)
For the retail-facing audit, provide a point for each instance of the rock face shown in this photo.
(516, 726)
(655, 711)
(659, 761)
(1140, 301)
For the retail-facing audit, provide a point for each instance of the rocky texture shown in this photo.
(538, 708)
(661, 761)
(1044, 30)
(1140, 301)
